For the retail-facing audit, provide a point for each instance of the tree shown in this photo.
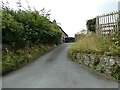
(26, 28)
(91, 25)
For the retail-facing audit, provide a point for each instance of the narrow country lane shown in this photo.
(55, 70)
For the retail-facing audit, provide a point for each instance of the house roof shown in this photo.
(63, 31)
(59, 27)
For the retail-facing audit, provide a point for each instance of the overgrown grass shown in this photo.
(94, 44)
(12, 60)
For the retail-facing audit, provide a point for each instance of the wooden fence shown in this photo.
(106, 24)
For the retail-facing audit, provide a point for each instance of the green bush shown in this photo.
(91, 25)
(97, 60)
(25, 27)
(15, 59)
(25, 34)
(116, 71)
(114, 47)
(9, 63)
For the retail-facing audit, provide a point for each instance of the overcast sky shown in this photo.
(72, 14)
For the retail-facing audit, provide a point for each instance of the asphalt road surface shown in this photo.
(55, 70)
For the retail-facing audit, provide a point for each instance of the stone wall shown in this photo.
(108, 65)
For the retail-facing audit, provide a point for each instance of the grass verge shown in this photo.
(95, 45)
(12, 60)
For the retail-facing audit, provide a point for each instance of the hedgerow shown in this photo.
(25, 28)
